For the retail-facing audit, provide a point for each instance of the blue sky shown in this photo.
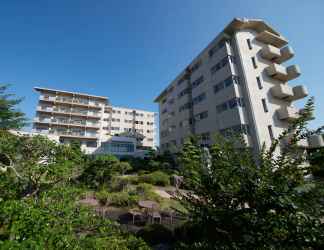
(130, 50)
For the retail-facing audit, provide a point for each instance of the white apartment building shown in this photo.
(100, 127)
(239, 82)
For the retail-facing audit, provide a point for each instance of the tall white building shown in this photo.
(100, 127)
(239, 82)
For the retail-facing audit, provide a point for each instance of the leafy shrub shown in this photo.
(122, 199)
(156, 178)
(102, 197)
(118, 183)
(100, 170)
(155, 234)
(145, 191)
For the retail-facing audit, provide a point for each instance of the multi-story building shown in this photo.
(237, 83)
(92, 120)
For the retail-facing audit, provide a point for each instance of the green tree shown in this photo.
(10, 117)
(241, 203)
(100, 170)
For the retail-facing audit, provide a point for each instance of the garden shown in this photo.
(54, 196)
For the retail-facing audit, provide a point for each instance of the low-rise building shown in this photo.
(94, 122)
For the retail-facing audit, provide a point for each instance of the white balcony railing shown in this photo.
(270, 38)
(285, 54)
(288, 113)
(316, 141)
(282, 91)
(282, 73)
(270, 52)
(299, 92)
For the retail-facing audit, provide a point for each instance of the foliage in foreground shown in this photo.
(10, 117)
(239, 204)
(39, 201)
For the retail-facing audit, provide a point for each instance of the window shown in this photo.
(185, 106)
(183, 92)
(218, 46)
(221, 107)
(201, 116)
(164, 111)
(196, 66)
(259, 82)
(264, 104)
(270, 132)
(218, 87)
(198, 81)
(234, 102)
(240, 128)
(91, 144)
(249, 43)
(199, 98)
(254, 62)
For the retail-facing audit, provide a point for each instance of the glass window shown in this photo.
(264, 104)
(259, 82)
(270, 132)
(249, 43)
(254, 62)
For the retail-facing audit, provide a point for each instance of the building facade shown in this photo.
(239, 83)
(100, 127)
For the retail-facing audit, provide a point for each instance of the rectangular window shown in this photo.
(264, 104)
(199, 98)
(254, 62)
(218, 87)
(201, 116)
(221, 107)
(259, 82)
(249, 43)
(198, 81)
(270, 132)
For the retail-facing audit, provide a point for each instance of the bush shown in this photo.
(155, 234)
(102, 197)
(156, 178)
(119, 183)
(145, 191)
(122, 199)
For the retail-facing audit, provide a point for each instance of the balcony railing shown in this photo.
(67, 122)
(76, 101)
(282, 73)
(299, 92)
(277, 71)
(282, 91)
(288, 113)
(73, 134)
(285, 54)
(270, 52)
(316, 141)
(302, 143)
(270, 38)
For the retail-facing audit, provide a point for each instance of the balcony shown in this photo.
(77, 102)
(282, 73)
(282, 91)
(277, 71)
(44, 109)
(299, 92)
(71, 134)
(47, 98)
(285, 54)
(293, 72)
(270, 38)
(302, 143)
(288, 113)
(270, 52)
(316, 141)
